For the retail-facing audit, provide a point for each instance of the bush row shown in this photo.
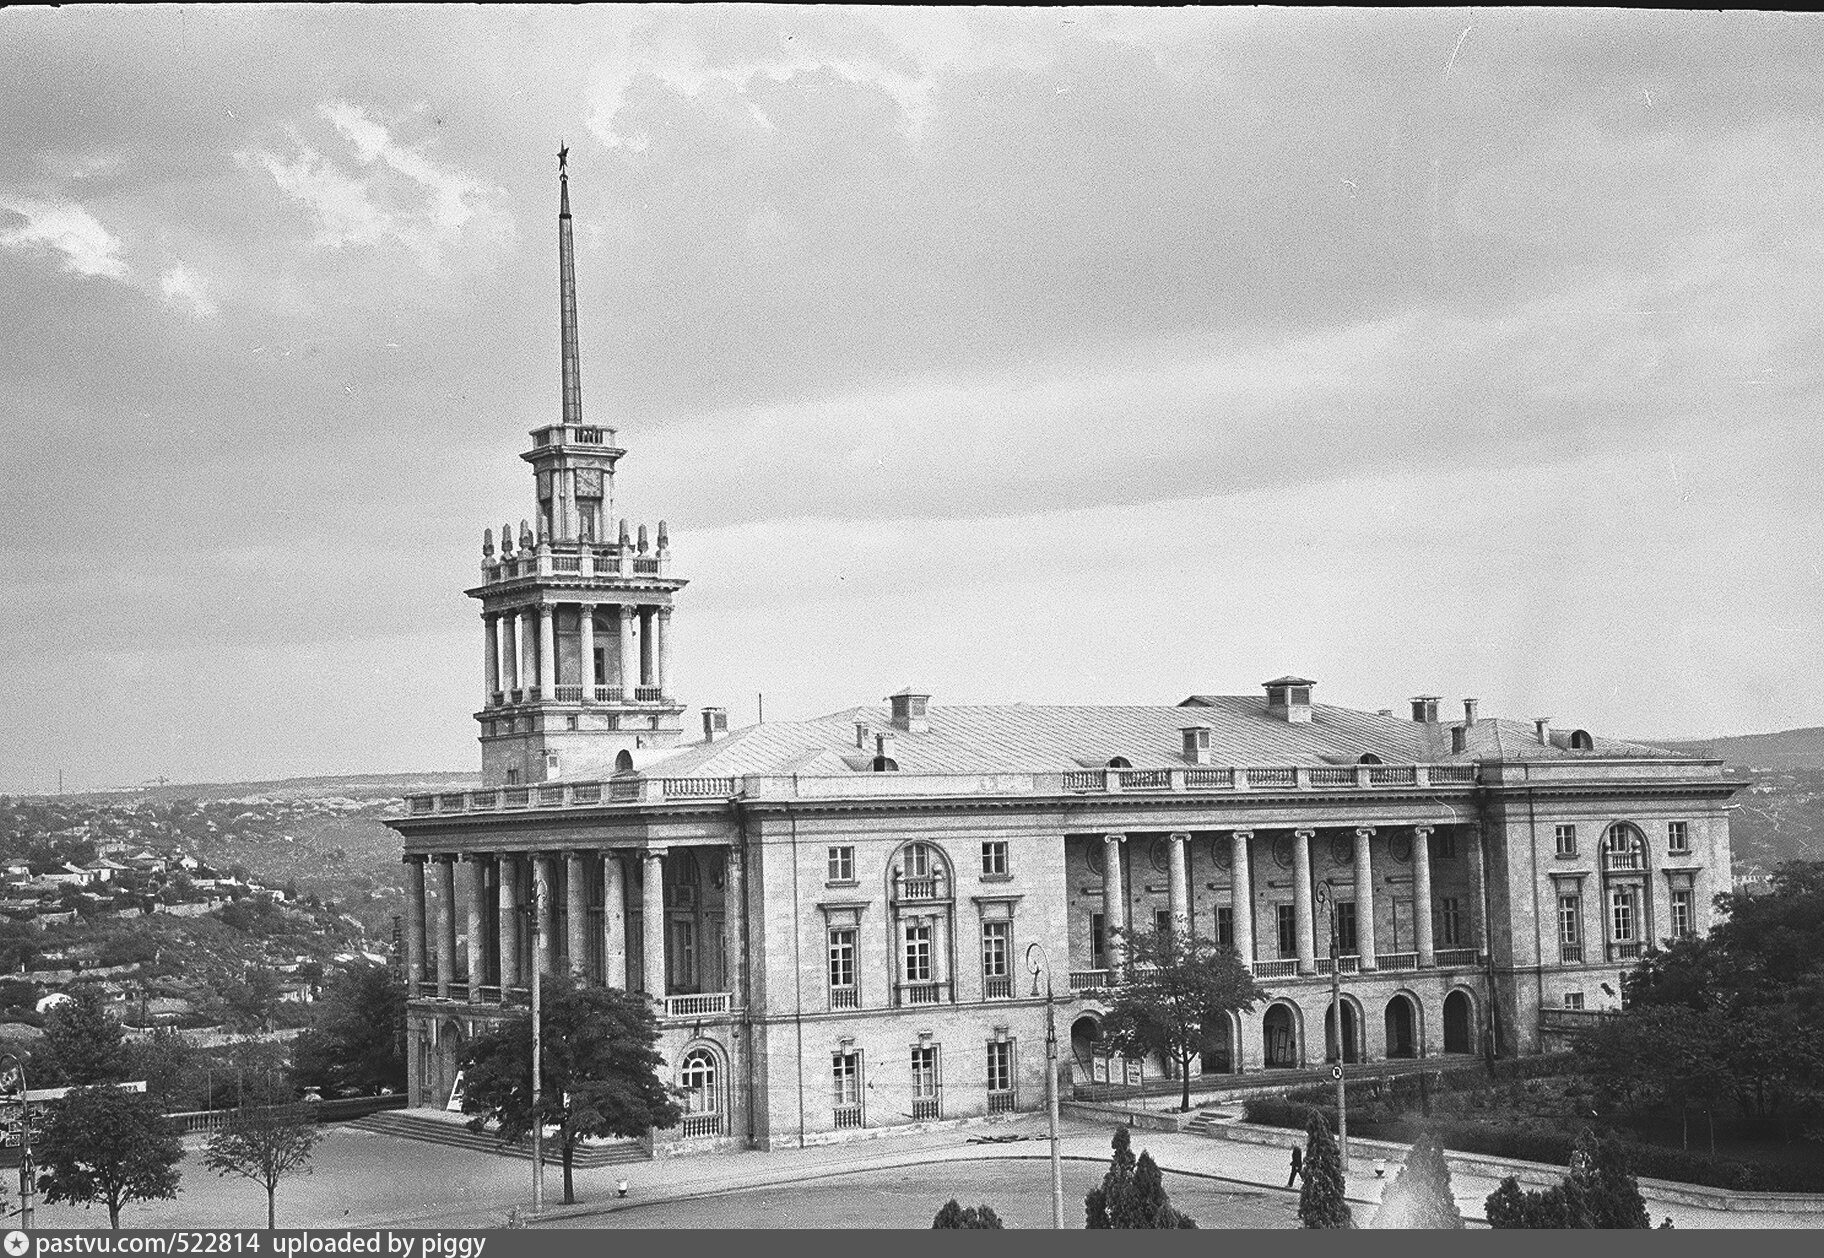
(1531, 1144)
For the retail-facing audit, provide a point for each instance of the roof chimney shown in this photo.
(861, 735)
(909, 712)
(1289, 699)
(884, 746)
(1469, 711)
(1459, 738)
(1425, 709)
(1543, 725)
(1196, 744)
(715, 723)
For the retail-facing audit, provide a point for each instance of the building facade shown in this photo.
(853, 922)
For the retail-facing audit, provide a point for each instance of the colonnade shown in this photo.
(494, 886)
(521, 660)
(1242, 885)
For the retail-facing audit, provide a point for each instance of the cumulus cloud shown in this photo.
(186, 289)
(66, 229)
(393, 193)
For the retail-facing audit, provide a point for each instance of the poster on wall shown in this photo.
(454, 1105)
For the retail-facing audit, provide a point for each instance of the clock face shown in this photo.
(588, 482)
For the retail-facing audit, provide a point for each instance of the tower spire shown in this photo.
(566, 295)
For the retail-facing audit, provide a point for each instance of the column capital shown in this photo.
(414, 858)
(1241, 834)
(1179, 836)
(444, 858)
(1306, 834)
(1113, 838)
(662, 611)
(1363, 831)
(653, 853)
(1423, 831)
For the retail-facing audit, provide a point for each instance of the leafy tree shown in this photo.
(356, 1044)
(600, 1071)
(1511, 1206)
(1099, 1204)
(1176, 995)
(1145, 1204)
(265, 1143)
(102, 1145)
(1420, 1196)
(83, 1042)
(1320, 1201)
(952, 1215)
(252, 999)
(1599, 1192)
(169, 1064)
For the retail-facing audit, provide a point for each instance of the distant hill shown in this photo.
(344, 786)
(1788, 749)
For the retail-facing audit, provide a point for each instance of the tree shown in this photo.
(1419, 1196)
(104, 1145)
(356, 1045)
(1145, 1204)
(1099, 1204)
(83, 1043)
(600, 1071)
(1599, 1192)
(1176, 997)
(1320, 1201)
(264, 1144)
(952, 1215)
(170, 1065)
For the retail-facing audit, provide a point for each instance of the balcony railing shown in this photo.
(1332, 777)
(1570, 954)
(926, 1109)
(1625, 950)
(697, 788)
(847, 1116)
(607, 694)
(1399, 961)
(1002, 1102)
(569, 694)
(648, 694)
(698, 1006)
(1145, 779)
(702, 1125)
(1088, 980)
(922, 993)
(994, 988)
(919, 887)
(1454, 958)
(1283, 967)
(845, 998)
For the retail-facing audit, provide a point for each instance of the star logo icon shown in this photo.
(17, 1243)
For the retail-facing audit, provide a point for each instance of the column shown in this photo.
(661, 632)
(1114, 903)
(630, 669)
(1301, 904)
(414, 923)
(577, 903)
(478, 931)
(1181, 888)
(585, 630)
(547, 653)
(546, 910)
(647, 620)
(1421, 896)
(652, 914)
(509, 922)
(1472, 834)
(507, 622)
(614, 921)
(522, 642)
(1364, 899)
(1241, 894)
(490, 658)
(446, 923)
(734, 925)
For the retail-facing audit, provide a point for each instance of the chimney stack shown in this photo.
(861, 735)
(715, 723)
(1425, 709)
(884, 746)
(1469, 711)
(1543, 724)
(909, 711)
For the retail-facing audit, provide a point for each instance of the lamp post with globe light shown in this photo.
(12, 1079)
(1326, 898)
(1051, 1076)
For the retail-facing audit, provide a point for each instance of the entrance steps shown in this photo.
(434, 1127)
(1211, 1117)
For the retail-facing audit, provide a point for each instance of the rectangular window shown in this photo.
(842, 969)
(1345, 928)
(845, 1086)
(842, 863)
(994, 858)
(1444, 845)
(1288, 930)
(1225, 926)
(1567, 840)
(1621, 915)
(1573, 1000)
(1681, 914)
(1098, 943)
(918, 953)
(1162, 921)
(1000, 1066)
(1570, 929)
(1450, 921)
(997, 945)
(1678, 836)
(924, 1083)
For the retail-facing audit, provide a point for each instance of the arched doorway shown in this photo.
(1458, 1023)
(1084, 1033)
(700, 1082)
(1402, 1027)
(1352, 1032)
(1219, 1053)
(1279, 1031)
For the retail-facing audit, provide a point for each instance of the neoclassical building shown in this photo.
(835, 918)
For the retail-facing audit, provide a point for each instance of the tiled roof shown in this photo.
(1031, 738)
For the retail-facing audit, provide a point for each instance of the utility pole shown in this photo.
(15, 1075)
(1051, 1079)
(538, 1052)
(1326, 897)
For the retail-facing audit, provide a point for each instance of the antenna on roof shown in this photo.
(761, 696)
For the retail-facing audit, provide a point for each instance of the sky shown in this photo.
(1049, 356)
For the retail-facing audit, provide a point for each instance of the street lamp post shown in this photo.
(1051, 1078)
(15, 1074)
(538, 1052)
(1326, 898)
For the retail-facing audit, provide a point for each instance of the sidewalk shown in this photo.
(1235, 1161)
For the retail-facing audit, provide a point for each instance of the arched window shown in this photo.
(697, 1077)
(1120, 762)
(1623, 848)
(1368, 757)
(1580, 740)
(885, 764)
(623, 763)
(919, 860)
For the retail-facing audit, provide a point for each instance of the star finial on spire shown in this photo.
(563, 155)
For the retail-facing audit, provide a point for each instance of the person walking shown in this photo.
(1298, 1166)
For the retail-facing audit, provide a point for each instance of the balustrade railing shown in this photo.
(648, 694)
(1002, 1102)
(607, 694)
(997, 988)
(1209, 779)
(925, 887)
(646, 567)
(1332, 777)
(1086, 780)
(1088, 980)
(1145, 779)
(566, 563)
(1393, 775)
(1625, 950)
(1398, 961)
(515, 797)
(1570, 954)
(550, 796)
(701, 1125)
(926, 1109)
(698, 1005)
(1453, 775)
(845, 998)
(921, 993)
(1286, 967)
(847, 1116)
(1454, 958)
(1272, 777)
(569, 694)
(688, 788)
(622, 791)
(586, 793)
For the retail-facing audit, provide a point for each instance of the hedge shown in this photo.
(1551, 1147)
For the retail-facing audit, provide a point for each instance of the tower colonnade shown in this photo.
(579, 652)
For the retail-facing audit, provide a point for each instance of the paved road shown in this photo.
(907, 1197)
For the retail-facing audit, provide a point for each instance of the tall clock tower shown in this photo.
(576, 618)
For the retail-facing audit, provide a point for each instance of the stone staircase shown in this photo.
(450, 1131)
(1210, 1117)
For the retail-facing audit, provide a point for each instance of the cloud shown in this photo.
(183, 287)
(68, 229)
(395, 193)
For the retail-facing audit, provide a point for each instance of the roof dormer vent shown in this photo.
(1543, 726)
(715, 723)
(1196, 744)
(909, 711)
(1425, 709)
(1289, 699)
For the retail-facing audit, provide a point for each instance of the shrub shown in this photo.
(1420, 1196)
(952, 1215)
(1320, 1200)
